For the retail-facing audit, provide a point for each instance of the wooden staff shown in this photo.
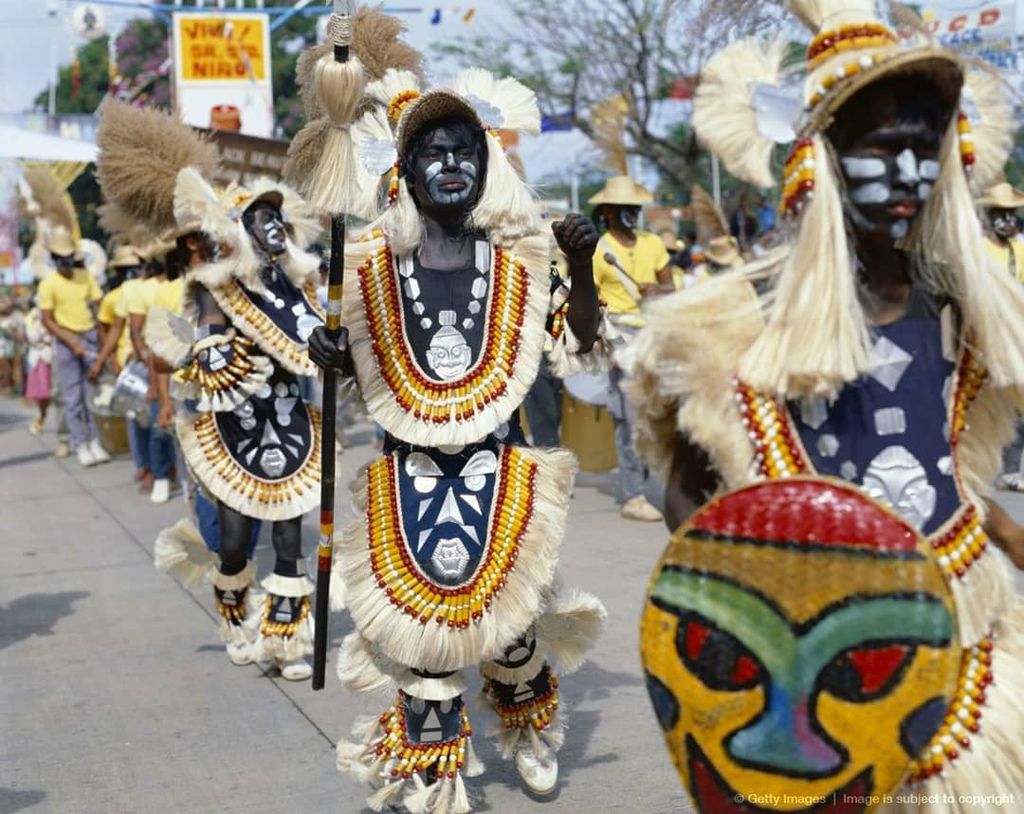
(341, 22)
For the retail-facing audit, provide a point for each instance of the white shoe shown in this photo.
(240, 654)
(85, 456)
(295, 670)
(638, 508)
(540, 776)
(161, 491)
(99, 454)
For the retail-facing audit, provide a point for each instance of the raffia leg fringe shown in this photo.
(181, 552)
(533, 724)
(569, 628)
(386, 760)
(238, 622)
(284, 641)
(976, 761)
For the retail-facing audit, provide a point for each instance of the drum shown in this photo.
(587, 429)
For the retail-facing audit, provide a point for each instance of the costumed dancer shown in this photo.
(806, 640)
(447, 301)
(247, 437)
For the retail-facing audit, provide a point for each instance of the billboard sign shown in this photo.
(986, 31)
(222, 77)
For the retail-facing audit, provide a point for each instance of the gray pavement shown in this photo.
(116, 696)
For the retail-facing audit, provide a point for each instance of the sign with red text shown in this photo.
(987, 31)
(222, 76)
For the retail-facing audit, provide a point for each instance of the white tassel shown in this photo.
(340, 86)
(385, 795)
(569, 629)
(181, 551)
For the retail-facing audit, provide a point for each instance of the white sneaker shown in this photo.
(99, 454)
(161, 491)
(540, 776)
(295, 670)
(85, 456)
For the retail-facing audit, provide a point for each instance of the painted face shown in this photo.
(65, 263)
(445, 170)
(889, 175)
(1004, 222)
(800, 648)
(267, 230)
(629, 216)
(449, 355)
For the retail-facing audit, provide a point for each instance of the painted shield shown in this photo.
(800, 648)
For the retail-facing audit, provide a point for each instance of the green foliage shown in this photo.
(93, 76)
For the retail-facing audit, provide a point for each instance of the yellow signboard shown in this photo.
(222, 48)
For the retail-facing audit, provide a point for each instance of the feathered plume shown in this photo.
(50, 198)
(509, 105)
(725, 112)
(710, 220)
(123, 229)
(377, 44)
(988, 108)
(142, 150)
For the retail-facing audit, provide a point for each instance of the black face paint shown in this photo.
(265, 225)
(446, 168)
(1004, 222)
(629, 216)
(889, 174)
(65, 263)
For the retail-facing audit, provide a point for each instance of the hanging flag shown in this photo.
(682, 88)
(435, 18)
(558, 122)
(469, 15)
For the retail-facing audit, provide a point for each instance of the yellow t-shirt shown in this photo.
(128, 291)
(169, 294)
(108, 313)
(70, 298)
(142, 296)
(1001, 255)
(641, 261)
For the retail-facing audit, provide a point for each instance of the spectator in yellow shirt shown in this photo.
(117, 345)
(629, 265)
(1003, 244)
(67, 301)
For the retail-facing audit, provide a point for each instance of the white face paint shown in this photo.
(857, 167)
(874, 193)
(906, 166)
(929, 170)
(899, 229)
(923, 191)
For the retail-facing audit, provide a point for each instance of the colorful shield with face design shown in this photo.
(800, 647)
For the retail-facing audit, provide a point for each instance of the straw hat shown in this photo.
(1002, 196)
(621, 190)
(672, 241)
(59, 242)
(124, 257)
(723, 251)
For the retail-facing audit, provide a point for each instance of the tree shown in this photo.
(629, 50)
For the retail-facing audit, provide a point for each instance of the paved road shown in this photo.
(117, 697)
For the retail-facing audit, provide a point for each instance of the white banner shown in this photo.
(222, 76)
(987, 31)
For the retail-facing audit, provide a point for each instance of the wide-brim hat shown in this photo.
(157, 250)
(672, 241)
(59, 242)
(434, 106)
(723, 250)
(621, 190)
(938, 67)
(1002, 196)
(125, 257)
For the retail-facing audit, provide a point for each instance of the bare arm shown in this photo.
(136, 324)
(110, 340)
(691, 482)
(66, 337)
(577, 238)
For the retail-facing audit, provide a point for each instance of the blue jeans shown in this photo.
(161, 445)
(139, 438)
(209, 525)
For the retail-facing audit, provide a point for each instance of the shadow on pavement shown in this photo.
(35, 615)
(25, 459)
(12, 800)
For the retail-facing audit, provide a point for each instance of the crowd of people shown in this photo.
(821, 392)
